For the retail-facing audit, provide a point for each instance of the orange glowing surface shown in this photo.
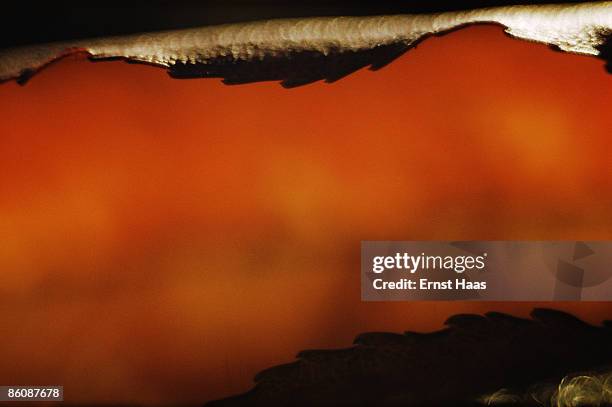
(163, 240)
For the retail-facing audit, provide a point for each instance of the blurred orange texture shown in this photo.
(163, 240)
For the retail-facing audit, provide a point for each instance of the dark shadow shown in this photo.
(474, 355)
(292, 68)
(605, 52)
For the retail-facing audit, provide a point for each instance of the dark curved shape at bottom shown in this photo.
(474, 355)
